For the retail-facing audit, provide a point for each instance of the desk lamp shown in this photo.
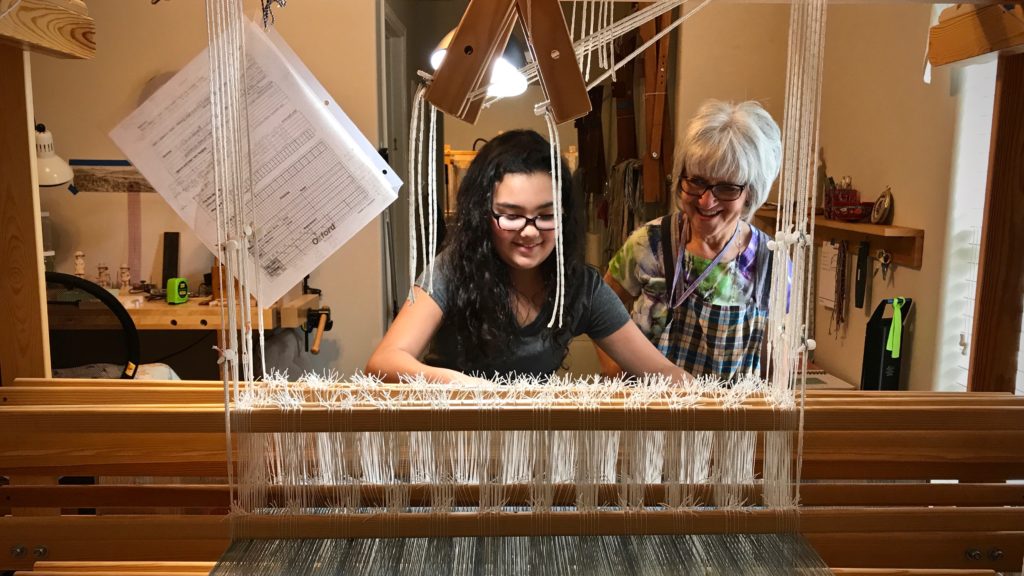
(52, 169)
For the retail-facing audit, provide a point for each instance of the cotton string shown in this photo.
(237, 240)
(422, 217)
(415, 166)
(432, 196)
(787, 332)
(556, 192)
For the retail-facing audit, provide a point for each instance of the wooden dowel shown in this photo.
(217, 496)
(210, 418)
(907, 572)
(320, 327)
(391, 389)
(646, 522)
(112, 571)
(113, 496)
(187, 393)
(144, 567)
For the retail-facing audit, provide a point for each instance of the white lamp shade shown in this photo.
(52, 169)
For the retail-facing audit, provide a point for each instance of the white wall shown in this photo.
(884, 126)
(81, 101)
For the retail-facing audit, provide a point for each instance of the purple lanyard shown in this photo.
(675, 302)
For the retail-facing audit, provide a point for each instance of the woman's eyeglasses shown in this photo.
(517, 223)
(725, 191)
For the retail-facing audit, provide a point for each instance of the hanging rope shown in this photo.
(415, 163)
(556, 192)
(790, 299)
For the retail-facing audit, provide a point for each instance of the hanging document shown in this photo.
(316, 180)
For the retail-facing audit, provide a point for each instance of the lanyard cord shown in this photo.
(675, 302)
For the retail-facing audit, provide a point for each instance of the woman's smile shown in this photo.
(710, 213)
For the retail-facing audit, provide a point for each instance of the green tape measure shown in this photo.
(177, 291)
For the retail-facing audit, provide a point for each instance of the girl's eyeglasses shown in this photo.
(725, 191)
(517, 223)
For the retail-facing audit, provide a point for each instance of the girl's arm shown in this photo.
(610, 367)
(628, 347)
(400, 351)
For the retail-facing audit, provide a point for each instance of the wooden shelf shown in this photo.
(59, 28)
(905, 244)
(195, 314)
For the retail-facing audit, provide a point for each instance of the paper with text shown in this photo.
(316, 179)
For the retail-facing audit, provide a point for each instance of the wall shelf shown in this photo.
(905, 244)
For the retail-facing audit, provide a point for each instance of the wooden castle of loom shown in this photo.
(55, 428)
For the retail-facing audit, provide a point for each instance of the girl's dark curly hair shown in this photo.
(479, 283)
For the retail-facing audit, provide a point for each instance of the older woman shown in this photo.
(696, 281)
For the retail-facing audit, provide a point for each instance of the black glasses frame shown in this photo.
(724, 191)
(526, 222)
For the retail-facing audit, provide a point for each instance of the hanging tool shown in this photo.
(317, 320)
(622, 93)
(863, 273)
(658, 155)
(894, 342)
(884, 258)
(307, 289)
(839, 310)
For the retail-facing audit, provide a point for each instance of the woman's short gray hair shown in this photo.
(738, 143)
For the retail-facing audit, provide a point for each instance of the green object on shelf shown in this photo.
(177, 291)
(895, 329)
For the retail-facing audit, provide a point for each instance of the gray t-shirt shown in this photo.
(591, 309)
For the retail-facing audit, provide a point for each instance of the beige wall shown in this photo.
(879, 123)
(504, 115)
(82, 101)
(884, 126)
(733, 52)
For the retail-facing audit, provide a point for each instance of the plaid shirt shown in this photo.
(700, 336)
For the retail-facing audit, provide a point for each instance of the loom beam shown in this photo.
(915, 525)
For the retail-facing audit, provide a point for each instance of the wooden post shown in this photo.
(655, 110)
(24, 341)
(1000, 292)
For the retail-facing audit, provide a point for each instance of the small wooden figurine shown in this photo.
(126, 279)
(80, 264)
(102, 275)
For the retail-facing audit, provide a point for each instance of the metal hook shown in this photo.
(268, 13)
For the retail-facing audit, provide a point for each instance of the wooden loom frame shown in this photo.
(180, 436)
(51, 428)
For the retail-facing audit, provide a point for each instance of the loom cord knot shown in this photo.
(225, 355)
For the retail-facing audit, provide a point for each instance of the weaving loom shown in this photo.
(855, 446)
(539, 477)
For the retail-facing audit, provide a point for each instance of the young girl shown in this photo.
(493, 287)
